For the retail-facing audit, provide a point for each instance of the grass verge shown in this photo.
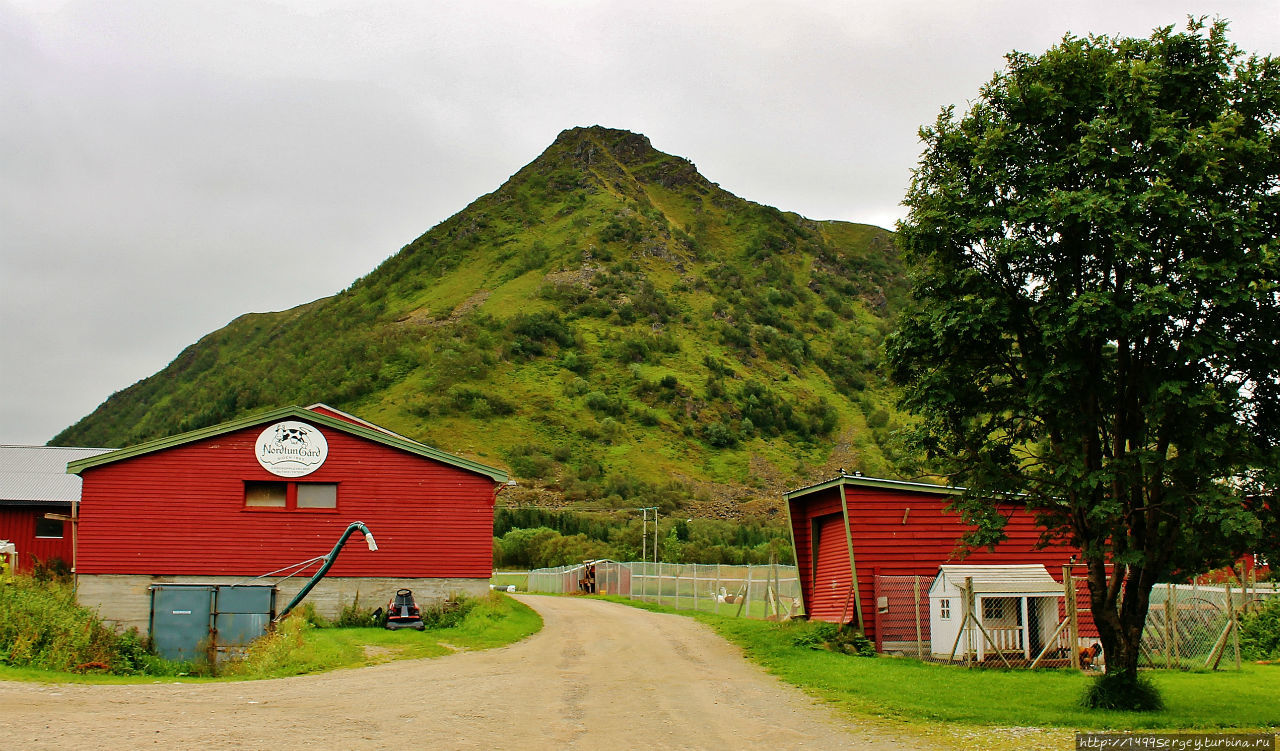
(298, 648)
(902, 689)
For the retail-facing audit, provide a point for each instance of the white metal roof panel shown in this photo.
(1012, 578)
(38, 474)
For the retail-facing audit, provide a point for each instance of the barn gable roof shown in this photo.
(359, 428)
(861, 481)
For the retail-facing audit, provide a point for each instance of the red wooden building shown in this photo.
(235, 501)
(853, 535)
(36, 498)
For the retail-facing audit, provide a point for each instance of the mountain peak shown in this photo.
(625, 146)
(617, 156)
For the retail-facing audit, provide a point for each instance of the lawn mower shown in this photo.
(403, 612)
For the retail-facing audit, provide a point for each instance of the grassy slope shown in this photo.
(604, 216)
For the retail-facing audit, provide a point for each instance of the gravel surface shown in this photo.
(598, 676)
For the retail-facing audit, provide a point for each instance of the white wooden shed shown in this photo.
(1017, 605)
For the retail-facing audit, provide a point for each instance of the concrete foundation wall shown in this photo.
(125, 599)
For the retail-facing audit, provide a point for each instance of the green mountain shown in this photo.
(608, 324)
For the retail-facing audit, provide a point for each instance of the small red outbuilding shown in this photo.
(852, 534)
(36, 499)
(255, 496)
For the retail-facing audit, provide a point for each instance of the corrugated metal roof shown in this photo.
(38, 474)
(1012, 578)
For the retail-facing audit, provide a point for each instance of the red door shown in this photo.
(832, 578)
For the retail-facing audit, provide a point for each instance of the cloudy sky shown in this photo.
(167, 166)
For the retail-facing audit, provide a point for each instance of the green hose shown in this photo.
(328, 562)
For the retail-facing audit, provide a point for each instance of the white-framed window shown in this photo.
(993, 609)
(944, 609)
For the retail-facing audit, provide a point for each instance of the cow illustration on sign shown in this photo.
(291, 449)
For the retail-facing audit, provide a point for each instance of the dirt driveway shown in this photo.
(598, 676)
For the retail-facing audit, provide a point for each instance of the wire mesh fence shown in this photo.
(1188, 625)
(763, 591)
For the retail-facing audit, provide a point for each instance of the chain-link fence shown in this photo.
(763, 592)
(1188, 625)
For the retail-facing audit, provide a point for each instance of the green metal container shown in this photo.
(190, 621)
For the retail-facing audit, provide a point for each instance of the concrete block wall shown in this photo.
(124, 600)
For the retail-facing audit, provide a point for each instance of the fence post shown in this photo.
(1168, 628)
(717, 590)
(919, 637)
(1069, 602)
(969, 651)
(1235, 631)
(746, 596)
(695, 586)
(1173, 609)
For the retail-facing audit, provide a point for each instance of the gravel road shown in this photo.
(598, 676)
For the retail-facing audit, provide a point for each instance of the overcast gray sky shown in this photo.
(167, 166)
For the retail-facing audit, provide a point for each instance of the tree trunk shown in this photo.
(1120, 624)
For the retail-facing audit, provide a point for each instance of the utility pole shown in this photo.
(644, 533)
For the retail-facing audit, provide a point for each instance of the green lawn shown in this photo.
(923, 693)
(519, 578)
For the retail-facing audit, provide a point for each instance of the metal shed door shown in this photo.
(181, 616)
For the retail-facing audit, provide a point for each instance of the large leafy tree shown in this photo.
(1097, 317)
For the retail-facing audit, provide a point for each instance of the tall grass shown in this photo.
(42, 626)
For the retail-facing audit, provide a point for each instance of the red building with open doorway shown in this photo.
(852, 534)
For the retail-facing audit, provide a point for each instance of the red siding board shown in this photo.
(181, 511)
(886, 544)
(18, 525)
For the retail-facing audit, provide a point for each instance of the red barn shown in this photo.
(36, 500)
(889, 528)
(259, 495)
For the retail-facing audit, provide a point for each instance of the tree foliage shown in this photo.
(1096, 322)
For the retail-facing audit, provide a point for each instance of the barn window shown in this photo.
(266, 494)
(48, 528)
(317, 495)
(992, 609)
(944, 609)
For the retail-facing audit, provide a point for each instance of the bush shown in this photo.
(833, 637)
(42, 626)
(1122, 692)
(1260, 632)
(354, 616)
(447, 613)
(280, 651)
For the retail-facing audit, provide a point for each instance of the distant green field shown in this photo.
(504, 578)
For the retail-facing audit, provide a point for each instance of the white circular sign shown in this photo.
(291, 449)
